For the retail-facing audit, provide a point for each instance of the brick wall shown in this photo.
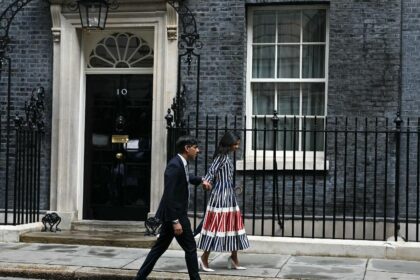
(411, 59)
(221, 25)
(364, 58)
(363, 74)
(31, 55)
(364, 61)
(363, 55)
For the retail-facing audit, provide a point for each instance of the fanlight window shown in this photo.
(121, 50)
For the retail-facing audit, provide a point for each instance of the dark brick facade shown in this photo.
(363, 72)
(364, 58)
(31, 55)
(222, 29)
(411, 59)
(364, 55)
(363, 81)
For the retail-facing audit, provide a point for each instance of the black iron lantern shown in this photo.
(93, 13)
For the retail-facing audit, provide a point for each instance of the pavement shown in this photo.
(60, 262)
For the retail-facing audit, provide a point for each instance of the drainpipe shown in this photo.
(400, 74)
(398, 121)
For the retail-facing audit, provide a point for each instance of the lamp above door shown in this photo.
(94, 13)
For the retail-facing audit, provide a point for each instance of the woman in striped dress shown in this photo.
(223, 229)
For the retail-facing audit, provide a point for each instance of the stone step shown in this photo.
(109, 226)
(116, 239)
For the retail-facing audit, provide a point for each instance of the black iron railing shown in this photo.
(334, 177)
(26, 187)
(20, 196)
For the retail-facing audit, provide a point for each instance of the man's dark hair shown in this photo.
(185, 141)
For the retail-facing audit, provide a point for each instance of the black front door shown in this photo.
(117, 147)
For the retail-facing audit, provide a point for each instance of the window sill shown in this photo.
(290, 164)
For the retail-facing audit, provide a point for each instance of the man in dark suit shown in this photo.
(173, 208)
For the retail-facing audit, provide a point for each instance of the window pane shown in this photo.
(263, 62)
(313, 99)
(263, 131)
(264, 27)
(288, 99)
(288, 62)
(314, 134)
(313, 22)
(289, 26)
(286, 134)
(262, 99)
(313, 61)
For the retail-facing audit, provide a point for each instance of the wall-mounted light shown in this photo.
(94, 13)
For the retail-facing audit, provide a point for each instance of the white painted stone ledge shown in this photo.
(331, 247)
(335, 247)
(12, 233)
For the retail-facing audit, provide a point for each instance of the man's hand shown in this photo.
(206, 185)
(177, 229)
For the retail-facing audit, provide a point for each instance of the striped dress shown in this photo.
(223, 228)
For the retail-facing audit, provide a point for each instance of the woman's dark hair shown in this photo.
(184, 141)
(229, 138)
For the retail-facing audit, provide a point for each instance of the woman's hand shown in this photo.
(206, 185)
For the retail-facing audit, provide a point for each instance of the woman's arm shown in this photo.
(218, 162)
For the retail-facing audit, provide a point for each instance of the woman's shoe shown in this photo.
(232, 265)
(203, 267)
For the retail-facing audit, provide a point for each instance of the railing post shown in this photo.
(275, 120)
(398, 121)
(169, 126)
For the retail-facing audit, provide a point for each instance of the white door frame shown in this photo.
(68, 116)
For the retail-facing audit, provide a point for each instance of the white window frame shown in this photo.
(294, 160)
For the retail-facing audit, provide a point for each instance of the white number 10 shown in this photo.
(122, 91)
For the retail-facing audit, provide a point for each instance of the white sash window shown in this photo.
(287, 72)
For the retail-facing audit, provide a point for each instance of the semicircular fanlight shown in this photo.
(121, 50)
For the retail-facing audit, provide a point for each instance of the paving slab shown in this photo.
(13, 246)
(302, 267)
(259, 265)
(110, 252)
(166, 262)
(52, 248)
(161, 264)
(135, 264)
(254, 272)
(35, 257)
(252, 260)
(170, 265)
(381, 275)
(91, 262)
(174, 261)
(172, 254)
(410, 267)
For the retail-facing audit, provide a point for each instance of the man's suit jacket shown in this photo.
(174, 202)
